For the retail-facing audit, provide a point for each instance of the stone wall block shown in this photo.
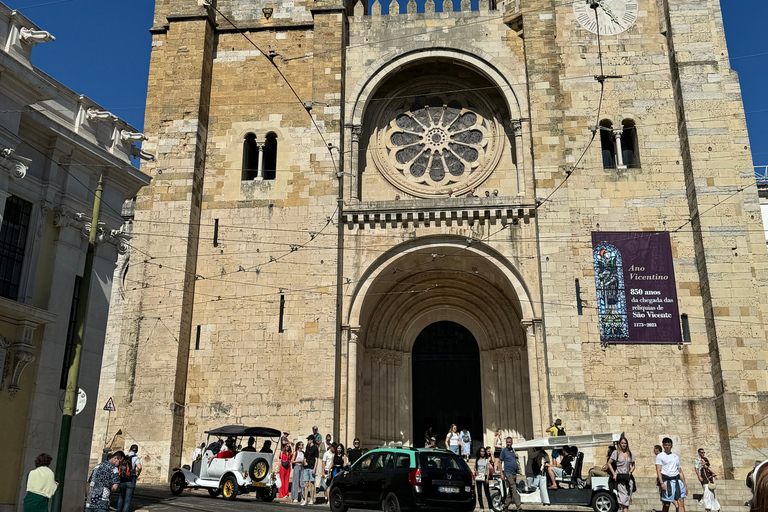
(394, 7)
(376, 8)
(429, 6)
(447, 5)
(483, 5)
(359, 9)
(466, 5)
(411, 9)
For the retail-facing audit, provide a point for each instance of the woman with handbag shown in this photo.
(285, 470)
(707, 480)
(622, 474)
(483, 470)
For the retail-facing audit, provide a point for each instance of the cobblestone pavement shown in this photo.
(158, 498)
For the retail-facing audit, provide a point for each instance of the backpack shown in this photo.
(560, 431)
(465, 438)
(126, 470)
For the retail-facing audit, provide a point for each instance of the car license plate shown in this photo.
(259, 484)
(466, 489)
(450, 490)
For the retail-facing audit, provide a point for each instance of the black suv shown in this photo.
(395, 479)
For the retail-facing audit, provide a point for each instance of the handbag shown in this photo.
(712, 485)
(286, 463)
(622, 477)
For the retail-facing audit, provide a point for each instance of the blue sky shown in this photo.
(102, 50)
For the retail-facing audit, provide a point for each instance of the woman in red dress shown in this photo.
(285, 470)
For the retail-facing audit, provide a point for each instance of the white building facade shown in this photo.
(54, 145)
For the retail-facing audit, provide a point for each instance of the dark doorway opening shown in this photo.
(446, 383)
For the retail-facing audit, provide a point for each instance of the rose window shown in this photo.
(434, 144)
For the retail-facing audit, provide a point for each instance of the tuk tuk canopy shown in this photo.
(242, 431)
(582, 441)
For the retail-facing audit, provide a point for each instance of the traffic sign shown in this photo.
(82, 399)
(110, 405)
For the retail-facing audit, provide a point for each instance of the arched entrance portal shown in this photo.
(433, 281)
(446, 380)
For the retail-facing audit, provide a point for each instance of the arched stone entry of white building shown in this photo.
(431, 280)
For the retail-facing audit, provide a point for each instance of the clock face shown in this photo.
(613, 16)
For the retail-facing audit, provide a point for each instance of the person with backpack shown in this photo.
(466, 444)
(556, 429)
(129, 470)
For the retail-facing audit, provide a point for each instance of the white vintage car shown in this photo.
(244, 472)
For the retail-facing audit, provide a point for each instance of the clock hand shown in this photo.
(609, 12)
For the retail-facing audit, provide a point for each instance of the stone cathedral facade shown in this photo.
(422, 236)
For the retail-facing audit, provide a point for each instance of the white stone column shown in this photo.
(619, 155)
(354, 185)
(354, 333)
(536, 373)
(260, 167)
(517, 129)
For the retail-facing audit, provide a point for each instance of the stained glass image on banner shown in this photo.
(611, 299)
(635, 284)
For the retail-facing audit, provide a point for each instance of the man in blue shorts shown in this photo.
(673, 488)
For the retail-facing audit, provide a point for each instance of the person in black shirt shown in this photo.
(354, 453)
(250, 447)
(310, 470)
(557, 470)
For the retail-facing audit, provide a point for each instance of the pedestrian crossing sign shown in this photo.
(110, 406)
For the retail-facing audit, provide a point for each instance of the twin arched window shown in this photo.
(619, 146)
(259, 157)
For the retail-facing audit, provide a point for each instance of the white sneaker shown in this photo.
(311, 503)
(295, 501)
(303, 502)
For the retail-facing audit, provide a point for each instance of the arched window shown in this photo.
(607, 144)
(629, 144)
(250, 157)
(270, 157)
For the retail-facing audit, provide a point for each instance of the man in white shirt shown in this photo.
(673, 488)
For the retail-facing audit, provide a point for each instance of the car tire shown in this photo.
(258, 470)
(497, 503)
(337, 501)
(604, 501)
(214, 492)
(178, 482)
(229, 487)
(269, 495)
(390, 503)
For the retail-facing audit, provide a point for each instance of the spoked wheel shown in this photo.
(214, 492)
(604, 502)
(337, 501)
(268, 495)
(497, 502)
(229, 488)
(178, 482)
(391, 504)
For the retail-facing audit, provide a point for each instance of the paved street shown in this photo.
(159, 499)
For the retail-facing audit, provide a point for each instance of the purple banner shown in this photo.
(636, 292)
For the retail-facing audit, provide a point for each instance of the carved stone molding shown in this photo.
(137, 152)
(506, 354)
(384, 356)
(65, 217)
(127, 136)
(45, 208)
(33, 37)
(5, 360)
(94, 115)
(19, 354)
(17, 166)
(16, 353)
